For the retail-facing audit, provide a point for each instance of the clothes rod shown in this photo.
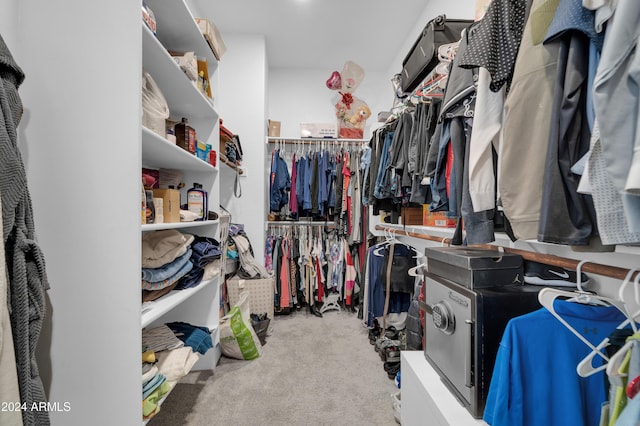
(297, 141)
(299, 223)
(547, 259)
(230, 164)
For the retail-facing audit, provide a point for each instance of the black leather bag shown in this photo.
(423, 55)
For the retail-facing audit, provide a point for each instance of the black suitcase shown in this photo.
(423, 55)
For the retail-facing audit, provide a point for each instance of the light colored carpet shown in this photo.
(313, 371)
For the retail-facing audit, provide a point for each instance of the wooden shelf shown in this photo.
(169, 301)
(223, 160)
(177, 225)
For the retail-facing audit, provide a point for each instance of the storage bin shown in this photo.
(437, 219)
(170, 204)
(411, 215)
(261, 293)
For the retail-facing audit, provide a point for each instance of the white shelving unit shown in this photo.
(169, 301)
(178, 225)
(158, 152)
(177, 31)
(424, 396)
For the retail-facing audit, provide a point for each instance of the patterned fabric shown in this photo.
(268, 254)
(612, 221)
(350, 275)
(570, 15)
(495, 40)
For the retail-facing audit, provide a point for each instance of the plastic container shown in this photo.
(197, 201)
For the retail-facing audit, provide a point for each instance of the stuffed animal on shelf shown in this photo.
(360, 117)
(352, 113)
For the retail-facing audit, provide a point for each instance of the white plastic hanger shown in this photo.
(585, 367)
(413, 272)
(616, 359)
(582, 296)
(380, 246)
(548, 295)
(613, 366)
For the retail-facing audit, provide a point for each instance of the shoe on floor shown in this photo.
(384, 342)
(391, 333)
(391, 369)
(541, 274)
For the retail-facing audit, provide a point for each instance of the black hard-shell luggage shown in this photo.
(423, 55)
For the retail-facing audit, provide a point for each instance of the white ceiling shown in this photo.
(323, 33)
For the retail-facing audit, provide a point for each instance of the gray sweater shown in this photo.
(25, 263)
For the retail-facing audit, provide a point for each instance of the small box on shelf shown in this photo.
(437, 219)
(319, 130)
(202, 151)
(411, 215)
(212, 35)
(170, 204)
(274, 128)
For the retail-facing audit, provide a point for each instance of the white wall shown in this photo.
(9, 22)
(79, 138)
(301, 95)
(242, 103)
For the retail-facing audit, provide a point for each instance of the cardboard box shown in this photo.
(261, 293)
(319, 130)
(202, 151)
(437, 219)
(411, 215)
(170, 204)
(274, 128)
(213, 37)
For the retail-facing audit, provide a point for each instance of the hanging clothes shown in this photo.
(350, 275)
(573, 400)
(378, 275)
(280, 182)
(9, 390)
(355, 196)
(567, 217)
(617, 107)
(293, 199)
(520, 182)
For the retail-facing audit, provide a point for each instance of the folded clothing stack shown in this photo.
(174, 261)
(169, 353)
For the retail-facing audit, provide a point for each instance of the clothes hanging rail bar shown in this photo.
(547, 259)
(223, 159)
(299, 223)
(293, 141)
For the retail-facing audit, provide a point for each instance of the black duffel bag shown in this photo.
(423, 55)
